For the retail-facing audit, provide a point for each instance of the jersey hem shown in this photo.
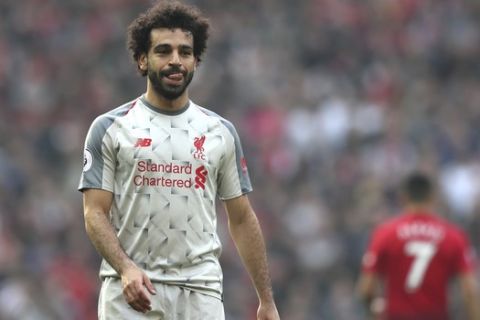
(206, 291)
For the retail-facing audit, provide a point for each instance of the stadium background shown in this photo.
(334, 100)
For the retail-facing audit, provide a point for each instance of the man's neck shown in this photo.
(165, 104)
(419, 208)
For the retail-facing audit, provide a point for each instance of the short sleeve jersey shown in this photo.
(417, 255)
(165, 171)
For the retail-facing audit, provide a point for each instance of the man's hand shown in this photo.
(136, 286)
(267, 312)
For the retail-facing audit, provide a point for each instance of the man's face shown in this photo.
(170, 62)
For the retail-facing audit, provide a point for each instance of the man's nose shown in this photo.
(175, 59)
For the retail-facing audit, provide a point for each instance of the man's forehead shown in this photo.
(159, 35)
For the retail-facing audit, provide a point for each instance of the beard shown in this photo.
(169, 92)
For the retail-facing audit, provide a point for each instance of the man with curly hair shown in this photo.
(152, 170)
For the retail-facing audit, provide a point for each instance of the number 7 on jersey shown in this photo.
(422, 253)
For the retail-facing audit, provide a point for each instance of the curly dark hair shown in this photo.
(169, 15)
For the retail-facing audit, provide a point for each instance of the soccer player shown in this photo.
(415, 255)
(152, 170)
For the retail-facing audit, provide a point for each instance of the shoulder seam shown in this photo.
(131, 106)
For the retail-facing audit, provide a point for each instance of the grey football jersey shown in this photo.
(165, 171)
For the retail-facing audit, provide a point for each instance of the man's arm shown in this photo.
(96, 204)
(367, 291)
(471, 296)
(247, 235)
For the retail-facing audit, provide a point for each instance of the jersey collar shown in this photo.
(169, 113)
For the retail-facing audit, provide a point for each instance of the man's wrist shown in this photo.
(377, 306)
(267, 300)
(125, 265)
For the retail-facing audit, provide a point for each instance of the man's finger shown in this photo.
(144, 301)
(143, 296)
(141, 304)
(138, 307)
(136, 297)
(149, 285)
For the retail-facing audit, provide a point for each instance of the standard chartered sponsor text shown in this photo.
(144, 166)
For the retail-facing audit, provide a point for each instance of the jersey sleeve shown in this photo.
(99, 157)
(372, 261)
(233, 179)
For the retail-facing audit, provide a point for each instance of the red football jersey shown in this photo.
(417, 255)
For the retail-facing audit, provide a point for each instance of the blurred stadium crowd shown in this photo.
(335, 100)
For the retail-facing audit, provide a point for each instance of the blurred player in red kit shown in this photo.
(415, 255)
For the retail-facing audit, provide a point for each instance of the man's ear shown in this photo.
(143, 62)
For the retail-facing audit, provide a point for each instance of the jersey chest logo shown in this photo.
(198, 144)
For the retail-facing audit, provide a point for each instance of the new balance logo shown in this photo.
(200, 177)
(143, 142)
